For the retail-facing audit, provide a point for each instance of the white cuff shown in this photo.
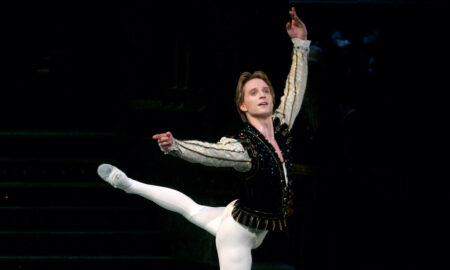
(301, 44)
(171, 148)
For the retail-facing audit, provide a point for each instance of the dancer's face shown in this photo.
(258, 101)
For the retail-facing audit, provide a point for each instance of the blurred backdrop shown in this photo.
(87, 83)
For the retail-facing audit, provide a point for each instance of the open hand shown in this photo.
(296, 28)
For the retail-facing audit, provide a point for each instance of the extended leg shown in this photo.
(205, 217)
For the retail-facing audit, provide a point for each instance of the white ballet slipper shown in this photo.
(113, 176)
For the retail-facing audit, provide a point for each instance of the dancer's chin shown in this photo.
(262, 116)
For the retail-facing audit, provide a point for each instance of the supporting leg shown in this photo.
(234, 243)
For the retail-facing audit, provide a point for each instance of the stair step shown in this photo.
(50, 169)
(41, 243)
(62, 145)
(118, 262)
(100, 193)
(96, 193)
(48, 218)
(100, 262)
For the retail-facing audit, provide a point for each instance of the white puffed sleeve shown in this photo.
(294, 90)
(228, 152)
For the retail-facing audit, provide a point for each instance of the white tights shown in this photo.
(234, 241)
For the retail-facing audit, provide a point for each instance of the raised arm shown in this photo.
(294, 90)
(227, 152)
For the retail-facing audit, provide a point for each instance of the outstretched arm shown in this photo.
(294, 90)
(227, 152)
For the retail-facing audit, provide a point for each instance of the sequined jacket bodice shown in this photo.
(265, 191)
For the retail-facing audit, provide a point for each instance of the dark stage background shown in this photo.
(87, 83)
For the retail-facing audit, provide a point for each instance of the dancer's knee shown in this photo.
(193, 211)
(206, 217)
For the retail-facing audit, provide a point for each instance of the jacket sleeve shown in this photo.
(294, 90)
(227, 152)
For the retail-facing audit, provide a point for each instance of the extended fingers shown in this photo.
(294, 16)
(292, 12)
(161, 135)
(164, 139)
(157, 136)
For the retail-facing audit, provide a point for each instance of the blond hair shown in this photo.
(243, 79)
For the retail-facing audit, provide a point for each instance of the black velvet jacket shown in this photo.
(265, 198)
